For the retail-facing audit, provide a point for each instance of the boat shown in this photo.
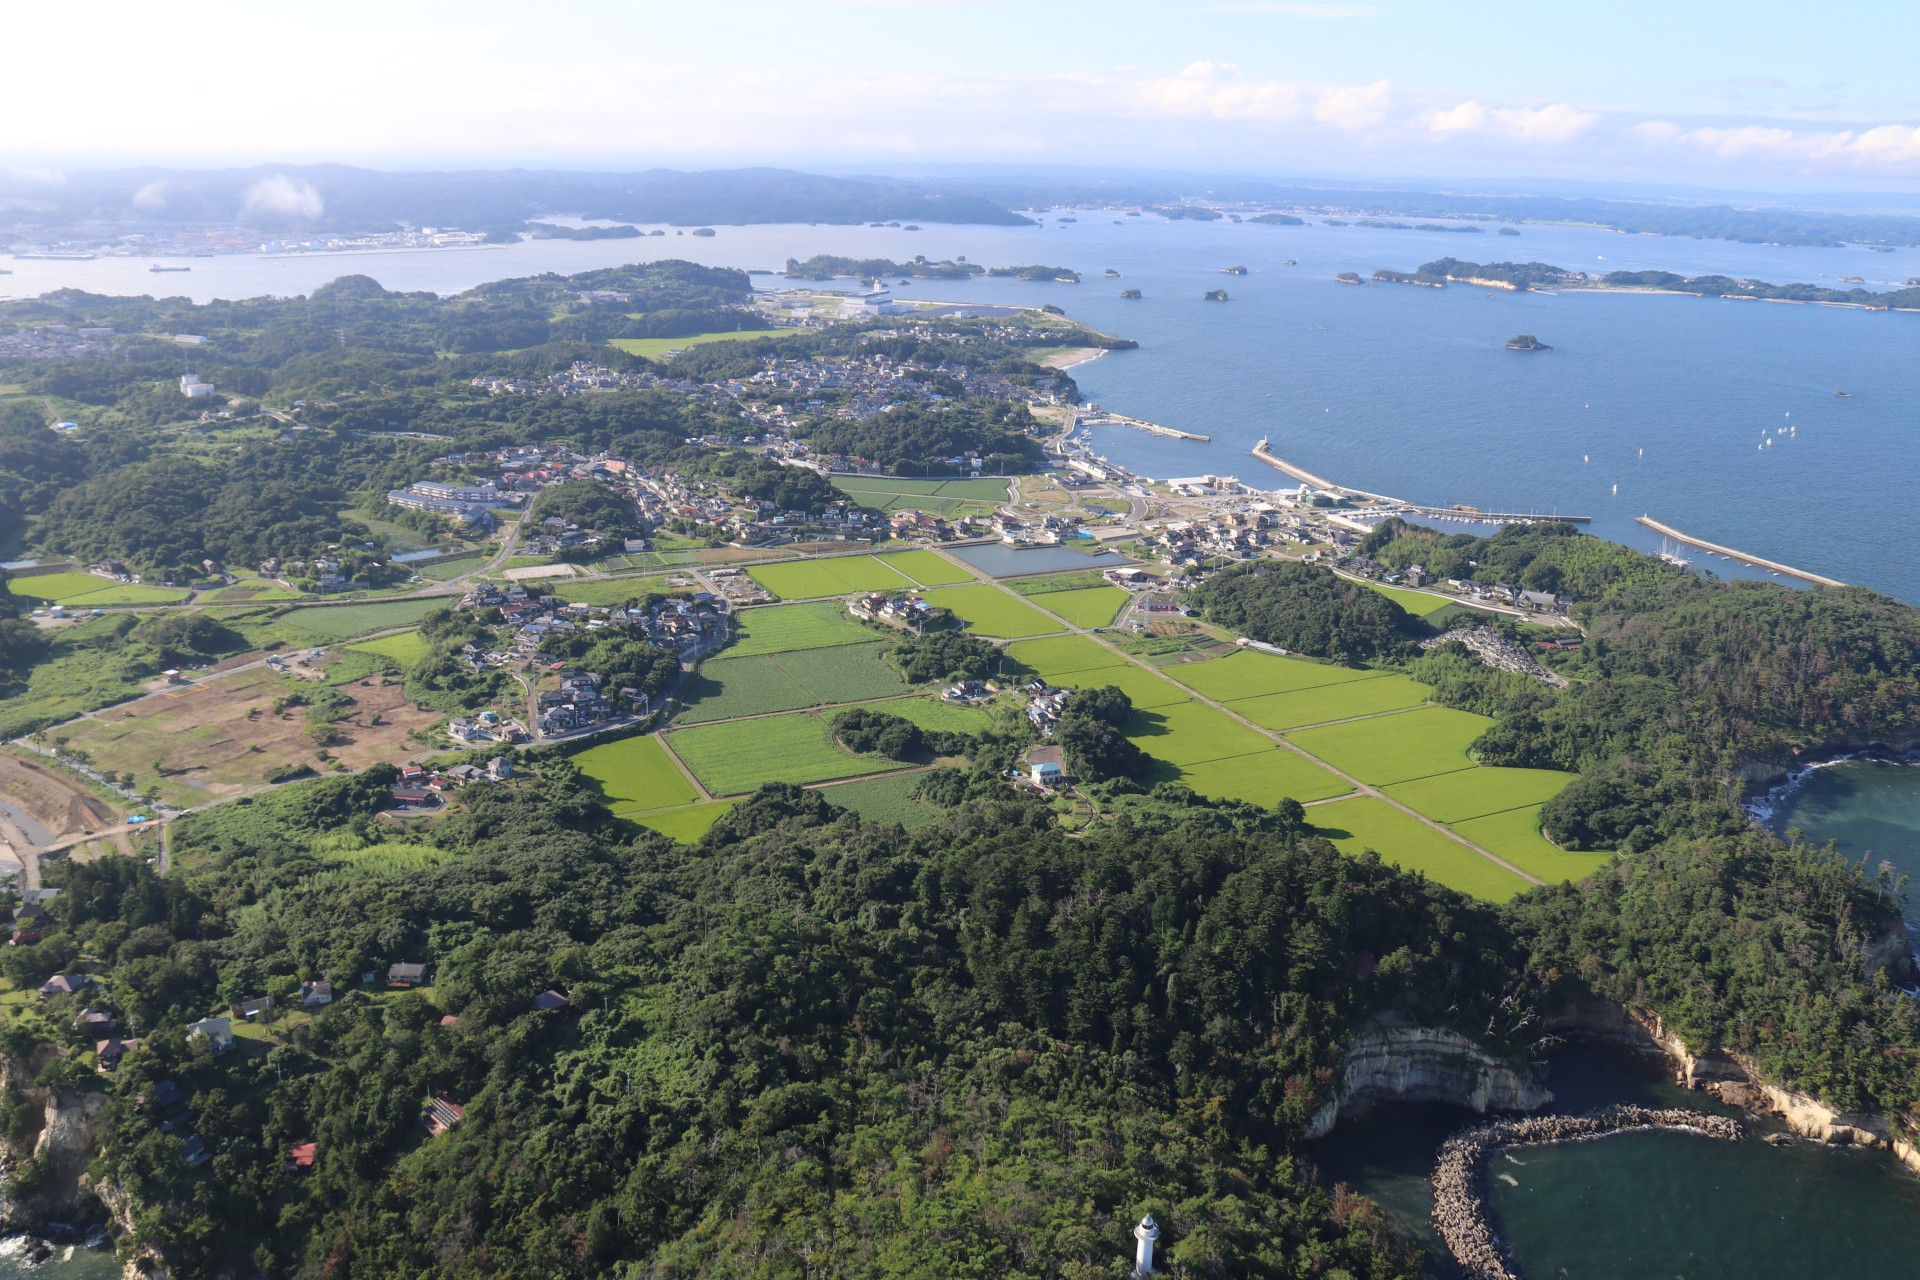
(157, 267)
(1526, 342)
(1843, 394)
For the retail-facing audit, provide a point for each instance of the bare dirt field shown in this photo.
(222, 737)
(60, 805)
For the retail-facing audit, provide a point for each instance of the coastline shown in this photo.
(1074, 358)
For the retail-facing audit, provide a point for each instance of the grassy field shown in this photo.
(888, 799)
(1366, 823)
(1515, 836)
(989, 611)
(1189, 733)
(636, 774)
(842, 575)
(441, 568)
(84, 591)
(986, 489)
(731, 687)
(610, 591)
(654, 348)
(1250, 674)
(787, 627)
(1333, 702)
(1399, 747)
(1475, 793)
(687, 823)
(730, 759)
(930, 713)
(406, 648)
(1059, 656)
(927, 569)
(1263, 777)
(343, 622)
(1417, 603)
(1047, 583)
(1085, 606)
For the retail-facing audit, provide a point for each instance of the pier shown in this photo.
(1772, 566)
(1106, 418)
(1261, 452)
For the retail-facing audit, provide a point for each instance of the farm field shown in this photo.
(1147, 690)
(982, 490)
(441, 568)
(1477, 792)
(610, 591)
(929, 713)
(1398, 747)
(343, 622)
(844, 673)
(1417, 603)
(1366, 823)
(636, 774)
(84, 590)
(687, 823)
(889, 799)
(1263, 777)
(1084, 606)
(1332, 702)
(1047, 583)
(1515, 836)
(222, 736)
(730, 759)
(250, 591)
(839, 576)
(1250, 674)
(1059, 656)
(787, 627)
(406, 648)
(927, 568)
(727, 688)
(989, 611)
(1189, 733)
(653, 348)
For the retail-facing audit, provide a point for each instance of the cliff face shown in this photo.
(1424, 1064)
(59, 1145)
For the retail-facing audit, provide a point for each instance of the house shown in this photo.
(250, 1008)
(64, 984)
(550, 1001)
(406, 975)
(300, 1157)
(197, 1152)
(441, 1115)
(1047, 766)
(316, 993)
(415, 796)
(217, 1032)
(499, 768)
(109, 1052)
(164, 1095)
(93, 1020)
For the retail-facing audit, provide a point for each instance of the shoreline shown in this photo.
(1073, 359)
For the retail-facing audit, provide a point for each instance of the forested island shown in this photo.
(531, 1025)
(1538, 275)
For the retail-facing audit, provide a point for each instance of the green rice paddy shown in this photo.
(1085, 606)
(889, 799)
(1396, 748)
(731, 759)
(1188, 733)
(687, 823)
(838, 576)
(636, 774)
(1250, 674)
(989, 611)
(927, 569)
(1477, 792)
(1366, 823)
(343, 622)
(406, 648)
(85, 591)
(929, 713)
(1417, 603)
(1264, 778)
(1059, 656)
(728, 688)
(787, 627)
(609, 592)
(1332, 702)
(1515, 836)
(1145, 689)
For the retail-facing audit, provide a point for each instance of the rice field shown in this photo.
(608, 592)
(85, 591)
(1398, 747)
(1189, 733)
(1147, 690)
(1264, 778)
(1475, 793)
(987, 489)
(1342, 701)
(889, 799)
(343, 622)
(1047, 583)
(1515, 836)
(1366, 823)
(989, 611)
(1417, 603)
(636, 774)
(839, 576)
(727, 688)
(406, 648)
(844, 673)
(731, 759)
(655, 348)
(927, 568)
(1059, 656)
(929, 713)
(1085, 606)
(787, 627)
(1249, 673)
(250, 591)
(687, 823)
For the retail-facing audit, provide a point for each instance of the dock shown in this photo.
(1265, 455)
(1772, 566)
(1105, 418)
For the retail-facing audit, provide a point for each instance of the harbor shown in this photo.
(1469, 514)
(1098, 417)
(1771, 566)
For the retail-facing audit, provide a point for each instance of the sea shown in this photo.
(1719, 418)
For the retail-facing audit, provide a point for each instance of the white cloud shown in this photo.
(284, 196)
(1222, 91)
(1469, 117)
(151, 198)
(1360, 106)
(1557, 122)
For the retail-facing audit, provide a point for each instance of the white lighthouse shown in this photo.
(1146, 1233)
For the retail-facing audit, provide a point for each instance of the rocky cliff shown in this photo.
(45, 1164)
(1424, 1064)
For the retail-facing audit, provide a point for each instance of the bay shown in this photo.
(1868, 808)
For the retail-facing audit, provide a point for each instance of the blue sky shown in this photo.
(1766, 95)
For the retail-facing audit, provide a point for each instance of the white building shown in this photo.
(192, 388)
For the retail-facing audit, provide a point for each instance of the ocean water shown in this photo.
(1868, 808)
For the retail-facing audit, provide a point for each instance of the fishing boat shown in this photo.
(1843, 394)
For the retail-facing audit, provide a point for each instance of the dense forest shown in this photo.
(913, 441)
(1307, 610)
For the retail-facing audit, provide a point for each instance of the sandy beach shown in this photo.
(1077, 356)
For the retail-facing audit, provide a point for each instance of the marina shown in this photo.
(1771, 566)
(1105, 418)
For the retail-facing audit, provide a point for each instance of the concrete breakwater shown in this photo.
(1459, 1190)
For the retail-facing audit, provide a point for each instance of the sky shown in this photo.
(1760, 94)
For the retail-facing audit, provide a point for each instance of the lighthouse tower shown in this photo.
(1146, 1233)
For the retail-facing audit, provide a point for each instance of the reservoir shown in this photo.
(998, 560)
(1646, 1204)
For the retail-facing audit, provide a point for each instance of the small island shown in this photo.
(1111, 274)
(1526, 342)
(1349, 277)
(1233, 271)
(1129, 293)
(1215, 295)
